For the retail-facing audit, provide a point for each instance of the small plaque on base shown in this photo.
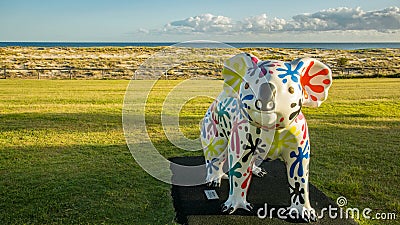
(211, 194)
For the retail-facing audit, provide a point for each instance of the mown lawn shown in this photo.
(64, 160)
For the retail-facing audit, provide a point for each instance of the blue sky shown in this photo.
(220, 20)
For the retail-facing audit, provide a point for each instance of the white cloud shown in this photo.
(261, 24)
(142, 30)
(202, 23)
(336, 19)
(349, 19)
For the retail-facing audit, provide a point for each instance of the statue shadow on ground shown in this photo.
(271, 191)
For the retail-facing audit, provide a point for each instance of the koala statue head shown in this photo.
(272, 93)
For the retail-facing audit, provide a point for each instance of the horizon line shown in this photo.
(204, 41)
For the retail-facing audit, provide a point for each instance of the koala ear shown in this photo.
(234, 70)
(315, 79)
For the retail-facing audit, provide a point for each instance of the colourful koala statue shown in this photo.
(258, 117)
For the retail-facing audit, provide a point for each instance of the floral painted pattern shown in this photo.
(293, 74)
(299, 157)
(233, 132)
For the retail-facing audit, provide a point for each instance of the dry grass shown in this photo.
(205, 63)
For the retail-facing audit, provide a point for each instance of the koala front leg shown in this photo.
(240, 173)
(215, 152)
(241, 160)
(297, 164)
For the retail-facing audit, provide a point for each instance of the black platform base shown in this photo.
(192, 207)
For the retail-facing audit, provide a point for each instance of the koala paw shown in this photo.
(258, 171)
(215, 180)
(305, 214)
(231, 205)
(215, 183)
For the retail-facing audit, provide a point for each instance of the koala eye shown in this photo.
(291, 90)
(246, 86)
(270, 105)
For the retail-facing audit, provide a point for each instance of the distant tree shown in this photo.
(342, 61)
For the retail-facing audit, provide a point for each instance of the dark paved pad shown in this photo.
(192, 206)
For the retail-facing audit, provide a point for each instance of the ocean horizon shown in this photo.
(291, 45)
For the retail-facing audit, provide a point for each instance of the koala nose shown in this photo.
(266, 97)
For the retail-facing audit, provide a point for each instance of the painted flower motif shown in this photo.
(233, 173)
(203, 128)
(222, 111)
(246, 181)
(316, 89)
(292, 73)
(235, 140)
(243, 106)
(265, 68)
(214, 148)
(283, 140)
(255, 146)
(212, 127)
(234, 106)
(296, 193)
(210, 165)
(303, 154)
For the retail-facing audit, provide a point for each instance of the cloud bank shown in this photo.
(337, 19)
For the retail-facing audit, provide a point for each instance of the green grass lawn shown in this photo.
(64, 160)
